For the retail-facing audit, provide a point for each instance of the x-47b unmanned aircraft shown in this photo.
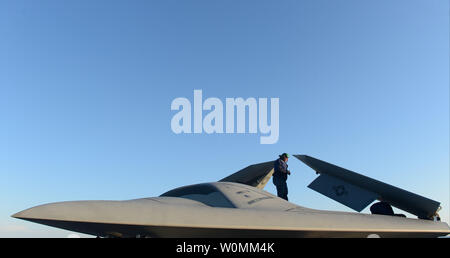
(237, 206)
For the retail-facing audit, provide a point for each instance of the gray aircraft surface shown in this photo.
(236, 206)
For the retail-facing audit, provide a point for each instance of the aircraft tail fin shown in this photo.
(357, 191)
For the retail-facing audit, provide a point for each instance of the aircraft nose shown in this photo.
(28, 213)
(59, 210)
(18, 215)
(94, 211)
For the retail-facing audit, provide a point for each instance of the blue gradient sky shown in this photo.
(86, 88)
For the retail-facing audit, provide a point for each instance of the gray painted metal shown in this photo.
(256, 175)
(397, 197)
(341, 191)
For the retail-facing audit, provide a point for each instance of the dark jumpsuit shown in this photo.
(279, 178)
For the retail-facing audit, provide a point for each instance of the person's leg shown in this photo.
(279, 186)
(284, 190)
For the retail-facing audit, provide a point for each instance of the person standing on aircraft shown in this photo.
(280, 175)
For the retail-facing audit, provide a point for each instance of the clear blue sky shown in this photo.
(86, 88)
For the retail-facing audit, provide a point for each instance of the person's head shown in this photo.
(284, 157)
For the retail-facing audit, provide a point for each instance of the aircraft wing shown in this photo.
(256, 175)
(357, 191)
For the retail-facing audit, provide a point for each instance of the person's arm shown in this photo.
(287, 171)
(283, 169)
